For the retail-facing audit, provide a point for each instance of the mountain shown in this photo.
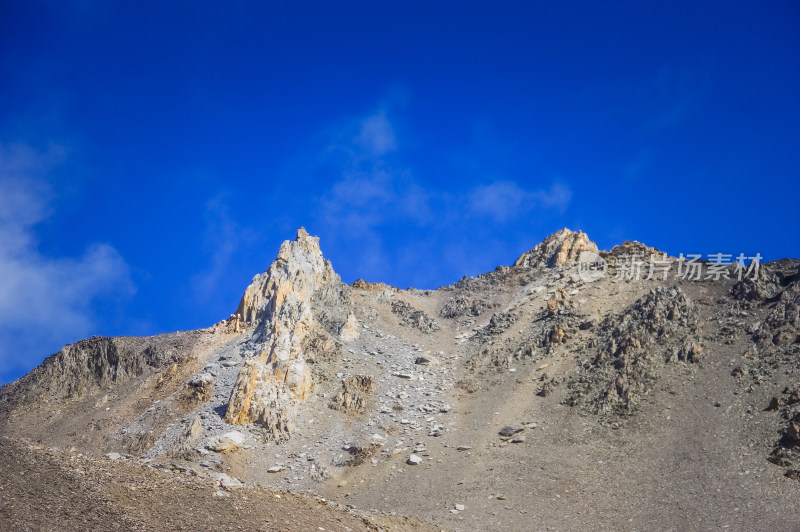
(575, 389)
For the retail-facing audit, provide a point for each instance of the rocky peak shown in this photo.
(296, 272)
(562, 247)
(278, 303)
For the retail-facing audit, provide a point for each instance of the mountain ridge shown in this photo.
(352, 391)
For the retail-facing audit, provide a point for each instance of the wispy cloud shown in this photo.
(376, 196)
(376, 136)
(222, 240)
(503, 201)
(44, 301)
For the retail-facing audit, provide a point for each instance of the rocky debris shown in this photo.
(436, 431)
(791, 435)
(349, 331)
(137, 443)
(786, 452)
(185, 446)
(764, 287)
(320, 347)
(628, 250)
(167, 377)
(548, 387)
(555, 335)
(411, 317)
(782, 325)
(459, 306)
(275, 469)
(113, 456)
(200, 388)
(355, 392)
(636, 345)
(469, 384)
(414, 460)
(278, 302)
(688, 352)
(225, 481)
(44, 489)
(776, 338)
(230, 441)
(498, 324)
(408, 386)
(793, 474)
(774, 404)
(427, 360)
(558, 303)
(509, 430)
(358, 454)
(361, 284)
(318, 472)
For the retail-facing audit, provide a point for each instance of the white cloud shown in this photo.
(364, 199)
(44, 301)
(503, 201)
(556, 197)
(376, 136)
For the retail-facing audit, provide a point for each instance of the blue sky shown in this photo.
(154, 155)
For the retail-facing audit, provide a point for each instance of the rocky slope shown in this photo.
(526, 398)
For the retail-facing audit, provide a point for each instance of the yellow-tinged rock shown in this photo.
(558, 249)
(349, 330)
(278, 304)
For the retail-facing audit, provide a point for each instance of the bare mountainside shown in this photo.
(576, 389)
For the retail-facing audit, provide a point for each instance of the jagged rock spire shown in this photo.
(278, 303)
(298, 269)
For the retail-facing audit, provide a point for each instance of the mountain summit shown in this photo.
(558, 249)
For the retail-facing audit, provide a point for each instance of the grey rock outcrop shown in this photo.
(96, 364)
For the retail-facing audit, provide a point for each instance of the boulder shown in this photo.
(414, 460)
(348, 331)
(227, 442)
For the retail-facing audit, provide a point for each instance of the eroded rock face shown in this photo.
(97, 364)
(562, 247)
(278, 303)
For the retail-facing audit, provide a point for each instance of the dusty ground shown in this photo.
(42, 490)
